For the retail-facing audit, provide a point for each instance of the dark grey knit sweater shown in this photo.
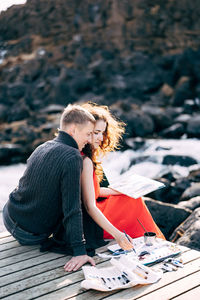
(50, 190)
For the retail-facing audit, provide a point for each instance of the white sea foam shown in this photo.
(152, 167)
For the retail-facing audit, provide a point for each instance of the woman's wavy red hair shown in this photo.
(112, 135)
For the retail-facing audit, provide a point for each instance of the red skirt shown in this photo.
(123, 212)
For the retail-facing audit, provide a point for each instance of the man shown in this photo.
(49, 192)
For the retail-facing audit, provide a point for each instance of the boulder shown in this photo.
(188, 233)
(139, 124)
(193, 127)
(192, 203)
(183, 91)
(192, 191)
(195, 175)
(179, 160)
(3, 112)
(189, 106)
(19, 111)
(166, 216)
(11, 153)
(52, 109)
(174, 191)
(160, 117)
(183, 119)
(174, 131)
(16, 91)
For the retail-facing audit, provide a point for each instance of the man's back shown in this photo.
(36, 204)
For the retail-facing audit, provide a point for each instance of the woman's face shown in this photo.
(98, 133)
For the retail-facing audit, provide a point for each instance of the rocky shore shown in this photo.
(141, 58)
(138, 58)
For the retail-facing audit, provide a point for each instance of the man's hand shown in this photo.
(77, 261)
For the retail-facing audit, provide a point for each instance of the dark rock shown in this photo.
(52, 109)
(183, 64)
(167, 90)
(11, 153)
(188, 233)
(160, 117)
(3, 113)
(24, 135)
(166, 216)
(193, 127)
(47, 127)
(174, 131)
(139, 124)
(189, 106)
(16, 91)
(183, 91)
(192, 191)
(63, 93)
(194, 175)
(179, 160)
(169, 176)
(24, 45)
(183, 119)
(162, 194)
(166, 63)
(176, 189)
(32, 70)
(146, 77)
(173, 189)
(173, 112)
(4, 93)
(18, 111)
(192, 203)
(81, 84)
(135, 143)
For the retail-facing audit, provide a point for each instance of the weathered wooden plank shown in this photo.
(7, 239)
(175, 288)
(90, 294)
(15, 251)
(28, 263)
(193, 294)
(191, 264)
(9, 245)
(43, 283)
(32, 271)
(4, 234)
(21, 257)
(40, 269)
(35, 270)
(42, 266)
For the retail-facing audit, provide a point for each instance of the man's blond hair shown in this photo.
(75, 114)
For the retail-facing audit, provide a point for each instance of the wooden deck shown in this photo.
(26, 273)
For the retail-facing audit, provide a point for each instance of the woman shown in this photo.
(116, 213)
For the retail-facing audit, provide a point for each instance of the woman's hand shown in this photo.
(123, 241)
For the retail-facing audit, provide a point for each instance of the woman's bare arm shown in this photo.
(106, 191)
(89, 200)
